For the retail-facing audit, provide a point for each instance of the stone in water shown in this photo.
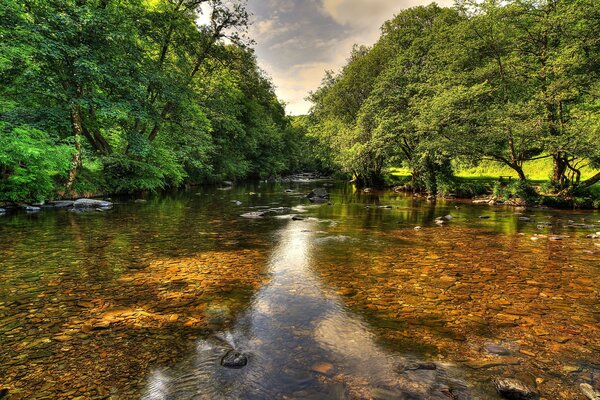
(233, 359)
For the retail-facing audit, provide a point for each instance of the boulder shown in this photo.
(514, 389)
(91, 203)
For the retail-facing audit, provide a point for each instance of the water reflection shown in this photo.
(301, 343)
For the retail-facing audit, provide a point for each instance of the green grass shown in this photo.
(536, 171)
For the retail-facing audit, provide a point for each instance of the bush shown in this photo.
(516, 189)
(157, 169)
(31, 163)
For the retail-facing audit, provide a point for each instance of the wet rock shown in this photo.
(418, 228)
(496, 349)
(254, 215)
(278, 210)
(289, 191)
(587, 390)
(387, 394)
(318, 195)
(2, 210)
(234, 359)
(62, 204)
(227, 183)
(140, 201)
(525, 219)
(484, 364)
(236, 202)
(31, 209)
(91, 203)
(323, 368)
(414, 366)
(514, 389)
(297, 218)
(484, 217)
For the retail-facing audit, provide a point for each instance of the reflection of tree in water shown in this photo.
(301, 342)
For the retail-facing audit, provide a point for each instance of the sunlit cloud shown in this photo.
(296, 41)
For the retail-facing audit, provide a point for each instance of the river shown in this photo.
(364, 297)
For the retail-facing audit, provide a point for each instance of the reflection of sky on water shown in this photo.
(295, 323)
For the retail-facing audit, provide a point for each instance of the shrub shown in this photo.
(31, 163)
(157, 169)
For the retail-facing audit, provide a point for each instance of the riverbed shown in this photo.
(364, 296)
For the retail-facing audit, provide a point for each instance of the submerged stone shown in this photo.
(514, 389)
(496, 349)
(234, 359)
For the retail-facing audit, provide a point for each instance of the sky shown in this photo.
(297, 40)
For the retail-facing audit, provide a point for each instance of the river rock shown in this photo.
(318, 194)
(484, 217)
(514, 389)
(496, 349)
(254, 215)
(91, 203)
(587, 390)
(2, 210)
(62, 204)
(227, 183)
(234, 359)
(297, 218)
(31, 209)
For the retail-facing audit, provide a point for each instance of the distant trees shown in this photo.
(141, 94)
(505, 81)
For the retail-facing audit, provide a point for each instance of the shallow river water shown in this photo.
(349, 301)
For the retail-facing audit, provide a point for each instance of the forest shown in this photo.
(483, 82)
(111, 96)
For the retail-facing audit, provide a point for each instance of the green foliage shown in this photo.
(144, 96)
(516, 190)
(157, 169)
(485, 81)
(31, 163)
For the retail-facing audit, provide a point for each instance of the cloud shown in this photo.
(298, 40)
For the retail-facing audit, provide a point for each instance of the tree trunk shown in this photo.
(559, 170)
(591, 181)
(77, 127)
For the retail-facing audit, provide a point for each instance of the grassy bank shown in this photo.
(502, 182)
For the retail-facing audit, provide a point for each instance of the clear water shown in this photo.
(351, 302)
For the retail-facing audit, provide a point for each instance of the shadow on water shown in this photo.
(301, 342)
